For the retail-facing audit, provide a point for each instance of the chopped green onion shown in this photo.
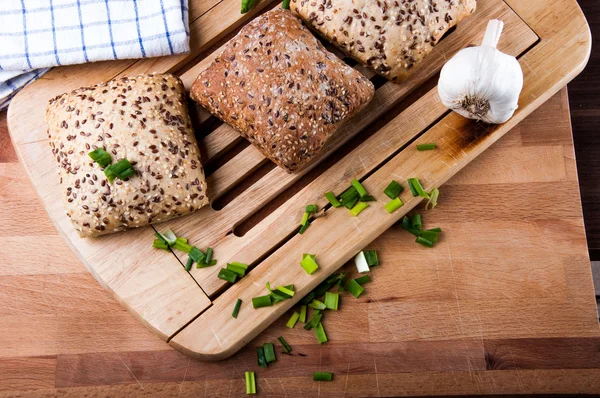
(320, 333)
(416, 221)
(424, 241)
(293, 320)
(393, 205)
(363, 279)
(362, 192)
(322, 376)
(209, 253)
(438, 229)
(302, 313)
(332, 199)
(431, 236)
(161, 237)
(247, 5)
(118, 169)
(393, 189)
(407, 225)
(260, 356)
(426, 147)
(181, 244)
(308, 325)
(101, 157)
(317, 305)
(304, 227)
(261, 301)
(317, 317)
(311, 208)
(278, 295)
(349, 197)
(285, 4)
(308, 263)
(284, 344)
(360, 260)
(269, 349)
(332, 300)
(305, 218)
(250, 383)
(371, 257)
(197, 255)
(368, 198)
(204, 264)
(126, 174)
(360, 206)
(159, 244)
(432, 203)
(236, 308)
(189, 263)
(170, 237)
(416, 188)
(354, 288)
(237, 268)
(227, 275)
(283, 289)
(349, 204)
(322, 287)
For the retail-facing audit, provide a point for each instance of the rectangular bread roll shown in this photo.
(142, 119)
(277, 85)
(390, 36)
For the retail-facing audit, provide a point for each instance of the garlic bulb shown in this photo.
(482, 82)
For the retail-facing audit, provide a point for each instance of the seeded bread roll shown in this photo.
(276, 84)
(390, 36)
(143, 119)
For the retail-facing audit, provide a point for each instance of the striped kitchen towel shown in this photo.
(38, 34)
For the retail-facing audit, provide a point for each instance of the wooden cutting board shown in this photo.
(192, 311)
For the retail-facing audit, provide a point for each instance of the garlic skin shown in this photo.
(482, 82)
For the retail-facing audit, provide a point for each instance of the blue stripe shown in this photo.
(93, 47)
(62, 6)
(24, 11)
(112, 41)
(137, 23)
(184, 17)
(82, 34)
(162, 9)
(53, 33)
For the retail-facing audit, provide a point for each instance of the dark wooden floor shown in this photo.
(584, 98)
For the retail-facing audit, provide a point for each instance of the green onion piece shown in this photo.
(261, 359)
(181, 244)
(363, 279)
(170, 237)
(117, 170)
(197, 255)
(432, 203)
(126, 174)
(240, 265)
(189, 263)
(349, 197)
(317, 305)
(424, 241)
(236, 308)
(159, 244)
(250, 383)
(308, 263)
(322, 376)
(241, 271)
(302, 313)
(204, 264)
(322, 287)
(305, 218)
(332, 300)
(304, 227)
(261, 301)
(284, 344)
(438, 229)
(351, 203)
(416, 221)
(227, 275)
(285, 290)
(426, 147)
(311, 208)
(247, 5)
(368, 198)
(320, 333)
(340, 284)
(393, 205)
(269, 349)
(293, 320)
(362, 192)
(407, 225)
(101, 157)
(308, 325)
(209, 253)
(393, 189)
(416, 188)
(161, 237)
(354, 288)
(431, 236)
(317, 316)
(360, 206)
(371, 257)
(332, 199)
(285, 4)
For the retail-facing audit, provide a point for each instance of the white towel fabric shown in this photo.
(38, 34)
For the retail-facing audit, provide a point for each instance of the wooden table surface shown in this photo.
(411, 333)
